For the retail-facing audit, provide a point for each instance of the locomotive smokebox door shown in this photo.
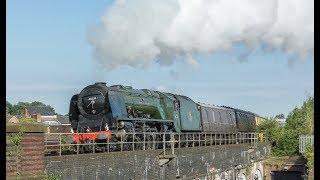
(92, 102)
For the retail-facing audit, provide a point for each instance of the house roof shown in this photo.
(51, 122)
(63, 119)
(13, 119)
(49, 119)
(43, 110)
(19, 116)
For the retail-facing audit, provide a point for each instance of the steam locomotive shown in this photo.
(121, 108)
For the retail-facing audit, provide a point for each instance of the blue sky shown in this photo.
(49, 59)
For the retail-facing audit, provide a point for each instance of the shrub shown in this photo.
(27, 120)
(309, 155)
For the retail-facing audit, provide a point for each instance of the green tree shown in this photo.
(302, 119)
(9, 107)
(309, 155)
(285, 140)
(18, 108)
(270, 128)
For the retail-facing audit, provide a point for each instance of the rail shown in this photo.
(64, 143)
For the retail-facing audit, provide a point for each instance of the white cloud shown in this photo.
(137, 33)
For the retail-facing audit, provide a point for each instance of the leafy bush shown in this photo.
(270, 128)
(27, 120)
(287, 143)
(302, 119)
(309, 155)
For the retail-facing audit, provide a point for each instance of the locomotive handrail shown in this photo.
(61, 143)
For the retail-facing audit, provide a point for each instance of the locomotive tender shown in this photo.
(122, 108)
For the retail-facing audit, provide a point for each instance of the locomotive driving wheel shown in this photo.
(88, 146)
(132, 143)
(150, 141)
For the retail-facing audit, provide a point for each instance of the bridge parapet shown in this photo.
(188, 163)
(195, 157)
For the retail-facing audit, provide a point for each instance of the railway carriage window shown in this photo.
(204, 115)
(208, 115)
(228, 118)
(223, 117)
(213, 117)
(231, 118)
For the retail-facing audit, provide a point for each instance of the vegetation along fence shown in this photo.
(304, 140)
(79, 143)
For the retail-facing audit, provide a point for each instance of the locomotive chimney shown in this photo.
(101, 83)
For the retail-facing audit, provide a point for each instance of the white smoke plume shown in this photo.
(139, 32)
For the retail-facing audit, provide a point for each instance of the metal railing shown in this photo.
(305, 140)
(63, 143)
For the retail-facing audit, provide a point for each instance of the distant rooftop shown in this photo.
(282, 122)
(63, 119)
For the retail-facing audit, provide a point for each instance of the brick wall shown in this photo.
(25, 158)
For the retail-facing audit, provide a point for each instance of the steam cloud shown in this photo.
(137, 33)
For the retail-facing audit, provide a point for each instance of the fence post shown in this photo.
(108, 142)
(172, 139)
(153, 138)
(60, 144)
(205, 139)
(94, 146)
(121, 143)
(144, 141)
(179, 141)
(133, 141)
(192, 139)
(164, 143)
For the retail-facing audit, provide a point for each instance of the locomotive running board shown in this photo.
(143, 119)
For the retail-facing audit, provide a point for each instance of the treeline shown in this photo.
(285, 140)
(17, 109)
